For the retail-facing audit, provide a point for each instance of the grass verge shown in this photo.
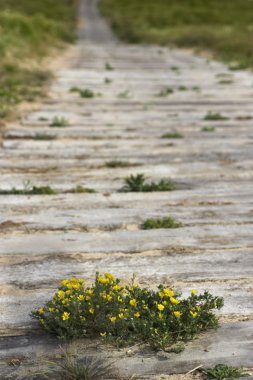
(220, 26)
(29, 31)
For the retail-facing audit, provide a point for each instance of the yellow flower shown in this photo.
(193, 291)
(81, 297)
(109, 298)
(160, 316)
(65, 316)
(161, 294)
(91, 310)
(61, 294)
(137, 315)
(64, 282)
(74, 280)
(112, 319)
(174, 301)
(120, 299)
(117, 287)
(133, 302)
(145, 307)
(83, 318)
(109, 276)
(41, 310)
(168, 292)
(51, 309)
(103, 334)
(76, 286)
(164, 303)
(177, 313)
(160, 307)
(103, 280)
(121, 315)
(90, 291)
(87, 298)
(68, 292)
(193, 314)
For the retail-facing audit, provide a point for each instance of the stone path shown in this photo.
(47, 238)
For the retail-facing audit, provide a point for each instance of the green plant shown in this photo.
(34, 190)
(165, 92)
(123, 94)
(108, 67)
(127, 314)
(87, 368)
(84, 93)
(172, 135)
(182, 88)
(59, 122)
(136, 183)
(212, 116)
(108, 81)
(225, 81)
(43, 136)
(81, 189)
(208, 129)
(119, 164)
(167, 222)
(222, 371)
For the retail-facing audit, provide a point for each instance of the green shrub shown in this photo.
(222, 371)
(84, 93)
(215, 117)
(127, 314)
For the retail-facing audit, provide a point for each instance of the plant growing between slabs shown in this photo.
(84, 93)
(59, 122)
(223, 371)
(167, 222)
(125, 315)
(137, 183)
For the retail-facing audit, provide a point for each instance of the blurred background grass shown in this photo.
(223, 27)
(29, 30)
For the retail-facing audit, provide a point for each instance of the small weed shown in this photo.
(34, 190)
(81, 189)
(108, 81)
(222, 371)
(165, 92)
(119, 164)
(84, 93)
(173, 135)
(182, 88)
(59, 122)
(43, 137)
(108, 67)
(124, 94)
(127, 314)
(225, 81)
(136, 183)
(215, 117)
(196, 88)
(167, 222)
(174, 68)
(42, 118)
(208, 129)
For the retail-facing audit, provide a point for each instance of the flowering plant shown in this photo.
(127, 314)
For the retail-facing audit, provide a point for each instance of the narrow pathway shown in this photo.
(47, 238)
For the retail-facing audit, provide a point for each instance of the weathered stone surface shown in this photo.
(47, 238)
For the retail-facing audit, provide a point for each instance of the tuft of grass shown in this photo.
(44, 137)
(182, 88)
(167, 222)
(137, 183)
(172, 135)
(223, 371)
(226, 81)
(208, 129)
(165, 92)
(81, 189)
(223, 28)
(59, 122)
(84, 93)
(213, 116)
